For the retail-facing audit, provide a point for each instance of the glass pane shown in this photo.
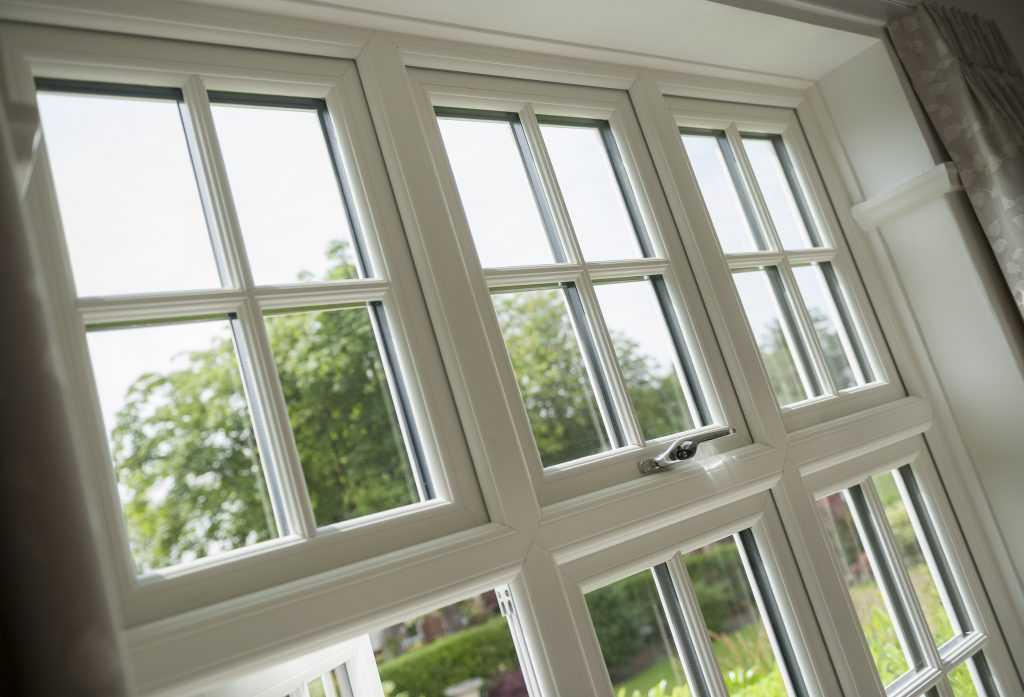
(731, 222)
(926, 582)
(342, 413)
(965, 681)
(647, 356)
(552, 374)
(591, 192)
(635, 637)
(765, 314)
(875, 620)
(833, 334)
(468, 643)
(495, 190)
(734, 623)
(286, 192)
(777, 193)
(129, 202)
(316, 688)
(188, 471)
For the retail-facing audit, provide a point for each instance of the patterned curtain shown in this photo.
(973, 90)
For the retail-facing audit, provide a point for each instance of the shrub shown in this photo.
(484, 651)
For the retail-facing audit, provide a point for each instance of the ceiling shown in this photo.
(642, 32)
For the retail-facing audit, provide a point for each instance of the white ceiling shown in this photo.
(646, 31)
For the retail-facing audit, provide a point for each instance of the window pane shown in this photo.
(316, 688)
(635, 637)
(966, 680)
(778, 193)
(647, 356)
(286, 192)
(552, 374)
(765, 312)
(129, 202)
(731, 222)
(591, 192)
(182, 439)
(837, 342)
(467, 642)
(926, 583)
(495, 190)
(342, 413)
(730, 612)
(875, 620)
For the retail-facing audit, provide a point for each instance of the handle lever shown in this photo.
(682, 449)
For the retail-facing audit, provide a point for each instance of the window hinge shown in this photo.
(508, 609)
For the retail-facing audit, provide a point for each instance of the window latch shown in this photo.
(681, 449)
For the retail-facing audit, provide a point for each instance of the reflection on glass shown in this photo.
(730, 612)
(926, 582)
(466, 641)
(647, 356)
(591, 192)
(342, 413)
(552, 374)
(129, 203)
(286, 193)
(777, 192)
(833, 335)
(965, 681)
(495, 191)
(723, 202)
(182, 440)
(316, 688)
(765, 314)
(635, 638)
(879, 630)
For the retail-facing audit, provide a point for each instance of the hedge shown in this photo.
(484, 651)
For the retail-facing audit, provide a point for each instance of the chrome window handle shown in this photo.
(681, 449)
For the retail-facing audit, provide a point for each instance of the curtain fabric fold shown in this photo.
(972, 89)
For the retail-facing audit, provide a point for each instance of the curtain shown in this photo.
(972, 88)
(58, 634)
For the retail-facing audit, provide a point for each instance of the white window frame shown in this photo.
(527, 543)
(825, 478)
(196, 69)
(734, 120)
(567, 480)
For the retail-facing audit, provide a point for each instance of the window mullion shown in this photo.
(748, 187)
(284, 474)
(810, 339)
(619, 392)
(904, 587)
(792, 330)
(548, 191)
(711, 682)
(897, 600)
(282, 467)
(211, 174)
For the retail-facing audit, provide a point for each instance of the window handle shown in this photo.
(681, 449)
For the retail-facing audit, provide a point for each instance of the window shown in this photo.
(359, 340)
(692, 626)
(901, 583)
(787, 266)
(581, 284)
(244, 330)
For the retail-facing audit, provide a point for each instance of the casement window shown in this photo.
(350, 342)
(801, 295)
(578, 251)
